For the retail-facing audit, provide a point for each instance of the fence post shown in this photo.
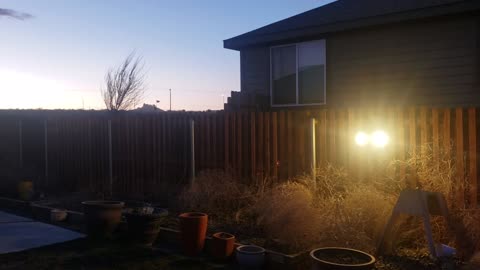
(20, 144)
(46, 151)
(110, 163)
(192, 152)
(313, 158)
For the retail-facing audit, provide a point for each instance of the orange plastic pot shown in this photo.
(222, 245)
(193, 230)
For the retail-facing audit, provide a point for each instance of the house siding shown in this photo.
(431, 62)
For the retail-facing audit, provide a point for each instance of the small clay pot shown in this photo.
(102, 218)
(193, 230)
(58, 215)
(25, 190)
(222, 245)
(250, 256)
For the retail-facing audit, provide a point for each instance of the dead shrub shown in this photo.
(286, 214)
(216, 193)
(355, 220)
(336, 209)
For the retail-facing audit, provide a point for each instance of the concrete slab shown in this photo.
(9, 218)
(22, 235)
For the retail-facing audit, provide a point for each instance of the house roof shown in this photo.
(349, 14)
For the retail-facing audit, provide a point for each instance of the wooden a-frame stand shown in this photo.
(416, 202)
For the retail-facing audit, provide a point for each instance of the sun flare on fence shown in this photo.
(378, 139)
(361, 138)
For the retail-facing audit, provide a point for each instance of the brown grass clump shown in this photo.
(356, 219)
(215, 193)
(287, 214)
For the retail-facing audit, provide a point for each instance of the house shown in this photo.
(363, 53)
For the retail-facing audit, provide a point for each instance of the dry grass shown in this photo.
(338, 208)
(216, 193)
(288, 215)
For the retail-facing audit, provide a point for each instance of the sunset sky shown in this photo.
(59, 56)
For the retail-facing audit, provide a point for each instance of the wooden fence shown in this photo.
(277, 144)
(148, 154)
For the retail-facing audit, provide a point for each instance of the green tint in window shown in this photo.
(284, 75)
(311, 72)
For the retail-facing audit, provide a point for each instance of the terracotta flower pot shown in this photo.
(102, 217)
(222, 245)
(58, 215)
(193, 229)
(143, 229)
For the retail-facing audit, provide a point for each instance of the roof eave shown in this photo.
(249, 40)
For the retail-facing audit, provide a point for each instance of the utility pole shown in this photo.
(192, 152)
(170, 98)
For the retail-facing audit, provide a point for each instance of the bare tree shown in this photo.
(124, 85)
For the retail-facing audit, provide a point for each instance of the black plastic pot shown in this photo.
(102, 217)
(335, 258)
(143, 229)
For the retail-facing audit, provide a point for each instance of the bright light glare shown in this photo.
(380, 138)
(361, 138)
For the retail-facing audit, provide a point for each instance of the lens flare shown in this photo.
(379, 138)
(361, 138)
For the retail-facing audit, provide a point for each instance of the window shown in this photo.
(298, 74)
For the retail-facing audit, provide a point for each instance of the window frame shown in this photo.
(297, 104)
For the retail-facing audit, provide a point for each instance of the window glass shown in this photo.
(284, 75)
(311, 72)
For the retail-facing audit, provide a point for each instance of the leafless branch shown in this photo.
(124, 85)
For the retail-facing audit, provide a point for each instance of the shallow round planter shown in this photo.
(341, 258)
(102, 217)
(222, 245)
(58, 215)
(143, 229)
(250, 256)
(193, 230)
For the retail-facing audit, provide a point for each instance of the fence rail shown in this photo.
(148, 154)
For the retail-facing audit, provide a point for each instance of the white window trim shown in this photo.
(296, 57)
